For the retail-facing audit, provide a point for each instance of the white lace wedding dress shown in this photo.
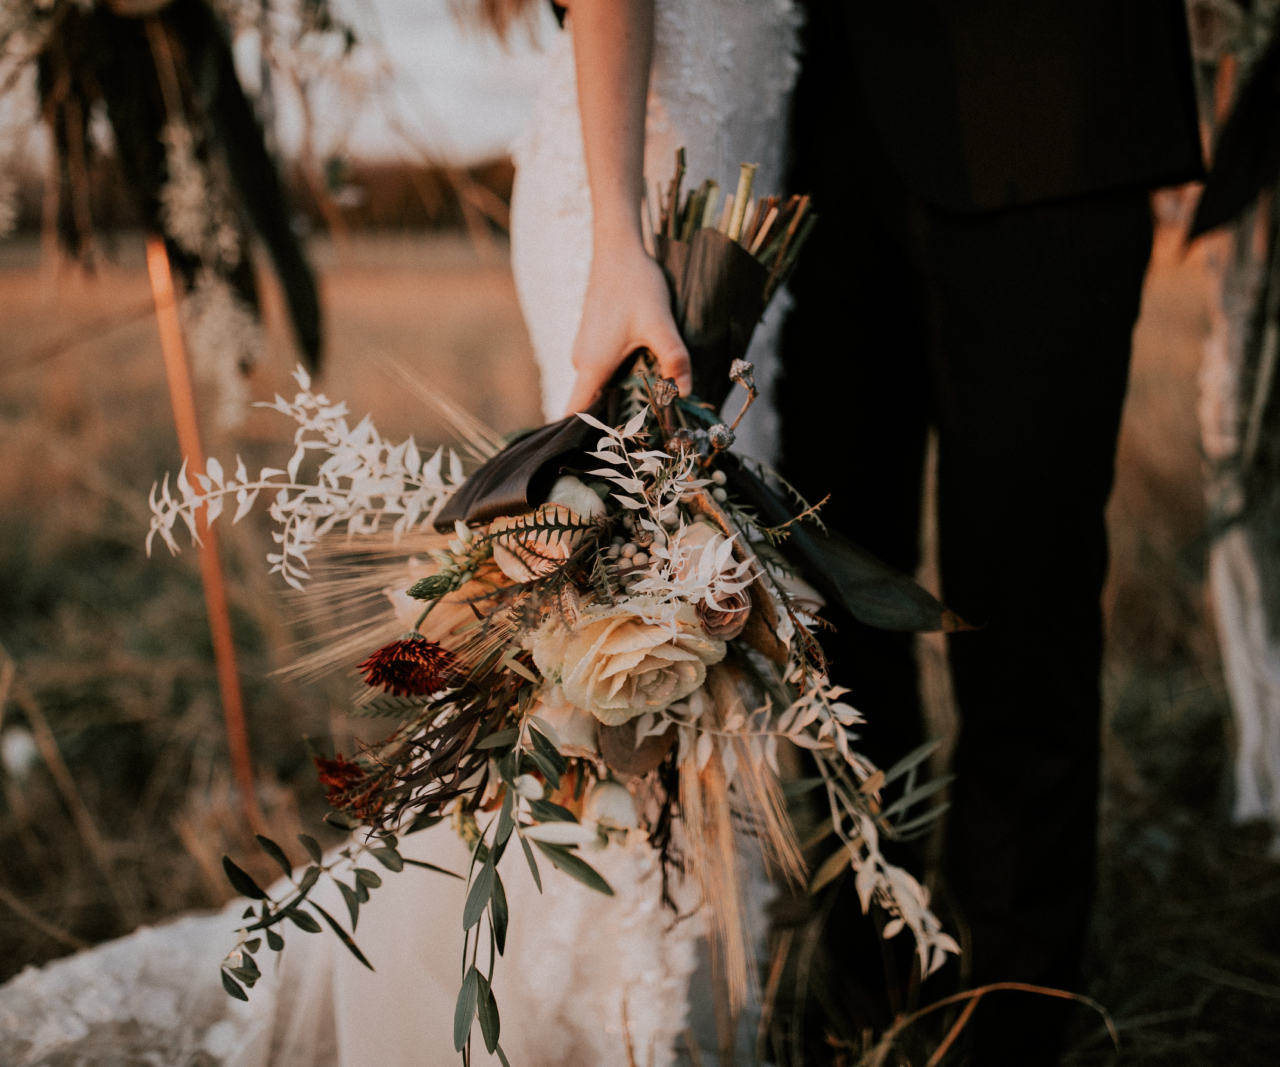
(586, 979)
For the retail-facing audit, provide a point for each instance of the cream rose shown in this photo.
(620, 662)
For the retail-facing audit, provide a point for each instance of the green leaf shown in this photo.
(505, 823)
(248, 977)
(341, 821)
(465, 1010)
(548, 751)
(253, 945)
(498, 912)
(902, 829)
(423, 822)
(911, 760)
(302, 920)
(575, 867)
(276, 853)
(312, 846)
(546, 811)
(547, 768)
(353, 904)
(368, 879)
(910, 800)
(502, 1056)
(433, 867)
(362, 892)
(241, 882)
(233, 987)
(309, 878)
(478, 897)
(249, 913)
(487, 1008)
(343, 936)
(497, 740)
(800, 786)
(274, 941)
(533, 864)
(388, 857)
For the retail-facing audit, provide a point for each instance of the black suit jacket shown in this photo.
(984, 104)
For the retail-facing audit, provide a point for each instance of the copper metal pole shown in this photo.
(215, 594)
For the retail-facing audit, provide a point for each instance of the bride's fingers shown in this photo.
(672, 357)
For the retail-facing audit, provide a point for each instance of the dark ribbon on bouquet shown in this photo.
(717, 296)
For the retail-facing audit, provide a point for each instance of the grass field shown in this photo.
(112, 673)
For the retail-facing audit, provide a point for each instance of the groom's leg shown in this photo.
(854, 405)
(1037, 311)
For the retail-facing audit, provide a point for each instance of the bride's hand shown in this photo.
(627, 307)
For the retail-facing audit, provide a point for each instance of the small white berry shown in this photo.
(719, 495)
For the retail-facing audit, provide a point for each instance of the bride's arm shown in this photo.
(627, 305)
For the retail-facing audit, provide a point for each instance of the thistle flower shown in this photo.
(411, 666)
(665, 392)
(721, 437)
(348, 786)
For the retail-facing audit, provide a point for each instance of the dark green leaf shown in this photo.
(233, 987)
(362, 892)
(872, 591)
(505, 823)
(800, 786)
(498, 912)
(276, 853)
(903, 829)
(912, 759)
(302, 920)
(241, 881)
(533, 864)
(465, 1010)
(575, 867)
(543, 745)
(502, 1056)
(248, 977)
(423, 822)
(340, 820)
(253, 944)
(546, 811)
(274, 941)
(497, 740)
(248, 913)
(478, 897)
(368, 879)
(432, 867)
(343, 936)
(353, 904)
(309, 878)
(312, 846)
(487, 1008)
(547, 768)
(910, 800)
(388, 857)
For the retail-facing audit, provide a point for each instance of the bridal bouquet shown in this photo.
(607, 629)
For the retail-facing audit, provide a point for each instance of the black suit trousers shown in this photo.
(1009, 332)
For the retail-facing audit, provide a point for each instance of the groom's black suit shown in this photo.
(982, 168)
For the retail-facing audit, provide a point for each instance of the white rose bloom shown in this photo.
(574, 495)
(620, 662)
(611, 804)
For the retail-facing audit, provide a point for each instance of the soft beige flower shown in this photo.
(620, 662)
(722, 613)
(577, 497)
(576, 729)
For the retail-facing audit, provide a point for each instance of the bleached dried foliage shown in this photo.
(362, 482)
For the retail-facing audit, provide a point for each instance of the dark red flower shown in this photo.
(412, 666)
(348, 786)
